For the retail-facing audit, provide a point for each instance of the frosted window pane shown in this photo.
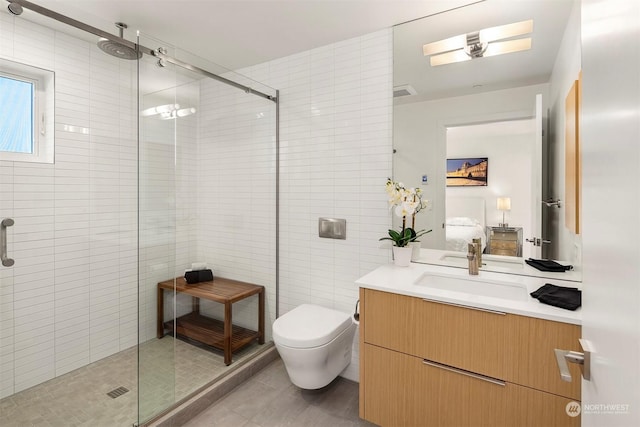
(16, 116)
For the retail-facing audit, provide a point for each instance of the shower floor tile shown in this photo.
(80, 398)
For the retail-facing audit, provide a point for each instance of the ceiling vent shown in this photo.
(404, 90)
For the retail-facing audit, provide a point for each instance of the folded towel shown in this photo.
(193, 277)
(559, 296)
(548, 265)
(548, 287)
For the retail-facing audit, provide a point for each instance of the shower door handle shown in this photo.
(6, 261)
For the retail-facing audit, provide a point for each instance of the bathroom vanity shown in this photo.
(441, 348)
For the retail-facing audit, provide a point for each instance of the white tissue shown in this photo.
(196, 266)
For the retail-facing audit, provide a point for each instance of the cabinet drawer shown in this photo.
(533, 408)
(531, 361)
(466, 338)
(507, 245)
(502, 235)
(462, 337)
(386, 386)
(403, 390)
(388, 320)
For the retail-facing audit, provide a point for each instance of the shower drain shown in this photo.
(117, 392)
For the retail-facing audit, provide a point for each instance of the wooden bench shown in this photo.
(219, 334)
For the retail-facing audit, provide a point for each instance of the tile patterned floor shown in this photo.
(269, 399)
(79, 398)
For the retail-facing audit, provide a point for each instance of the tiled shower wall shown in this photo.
(71, 297)
(336, 148)
(236, 193)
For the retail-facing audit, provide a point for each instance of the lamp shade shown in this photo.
(504, 203)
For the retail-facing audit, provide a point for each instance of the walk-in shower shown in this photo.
(149, 165)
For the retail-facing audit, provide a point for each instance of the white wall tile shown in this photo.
(335, 136)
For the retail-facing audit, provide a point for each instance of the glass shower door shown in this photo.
(68, 305)
(157, 231)
(207, 195)
(169, 98)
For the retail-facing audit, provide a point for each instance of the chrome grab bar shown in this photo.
(6, 261)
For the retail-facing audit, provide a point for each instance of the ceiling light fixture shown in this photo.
(168, 111)
(479, 44)
(177, 113)
(168, 108)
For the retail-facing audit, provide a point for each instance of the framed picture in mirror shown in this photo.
(467, 172)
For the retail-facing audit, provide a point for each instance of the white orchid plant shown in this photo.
(405, 202)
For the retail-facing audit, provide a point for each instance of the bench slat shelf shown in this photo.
(211, 331)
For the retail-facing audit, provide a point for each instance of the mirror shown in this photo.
(507, 109)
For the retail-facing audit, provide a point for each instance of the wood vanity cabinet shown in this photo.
(426, 363)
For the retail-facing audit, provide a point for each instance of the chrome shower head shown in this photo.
(15, 8)
(116, 49)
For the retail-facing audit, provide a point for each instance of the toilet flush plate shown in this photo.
(332, 228)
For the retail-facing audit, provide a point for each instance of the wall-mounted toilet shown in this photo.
(314, 343)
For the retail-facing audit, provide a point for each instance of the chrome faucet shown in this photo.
(472, 256)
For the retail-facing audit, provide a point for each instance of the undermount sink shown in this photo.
(487, 260)
(475, 286)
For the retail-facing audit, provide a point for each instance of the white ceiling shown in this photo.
(238, 33)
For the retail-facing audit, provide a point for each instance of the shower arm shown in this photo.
(145, 50)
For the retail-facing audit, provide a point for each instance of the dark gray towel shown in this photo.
(559, 296)
(548, 265)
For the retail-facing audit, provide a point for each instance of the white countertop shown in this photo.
(401, 280)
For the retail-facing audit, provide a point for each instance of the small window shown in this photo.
(26, 113)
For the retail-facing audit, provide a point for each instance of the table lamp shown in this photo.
(504, 204)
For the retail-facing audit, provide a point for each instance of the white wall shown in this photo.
(509, 169)
(70, 299)
(565, 72)
(335, 137)
(420, 142)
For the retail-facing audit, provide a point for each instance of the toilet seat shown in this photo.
(308, 326)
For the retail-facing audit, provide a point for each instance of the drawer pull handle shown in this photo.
(463, 372)
(466, 306)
